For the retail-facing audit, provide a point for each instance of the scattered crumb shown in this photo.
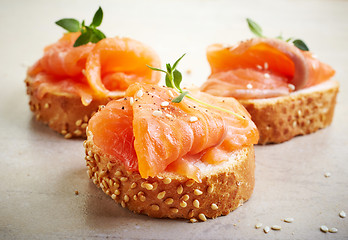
(76, 192)
(327, 174)
(324, 229)
(342, 214)
(266, 229)
(188, 71)
(258, 225)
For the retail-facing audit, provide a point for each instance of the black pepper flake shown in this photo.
(125, 98)
(122, 107)
(140, 106)
(153, 88)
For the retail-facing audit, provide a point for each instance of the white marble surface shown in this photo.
(40, 170)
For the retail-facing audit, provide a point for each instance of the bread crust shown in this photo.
(169, 195)
(62, 112)
(302, 112)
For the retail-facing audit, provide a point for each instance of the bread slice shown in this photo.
(302, 112)
(62, 111)
(223, 188)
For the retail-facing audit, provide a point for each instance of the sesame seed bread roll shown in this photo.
(68, 83)
(302, 112)
(172, 160)
(62, 111)
(223, 188)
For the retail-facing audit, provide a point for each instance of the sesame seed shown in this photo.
(191, 213)
(171, 93)
(249, 86)
(123, 179)
(157, 113)
(123, 204)
(210, 189)
(134, 185)
(165, 104)
(140, 93)
(333, 230)
(68, 135)
(190, 182)
(155, 185)
(113, 196)
(265, 65)
(96, 157)
(299, 113)
(148, 186)
(214, 206)
(196, 203)
(167, 180)
(193, 119)
(324, 228)
(78, 122)
(135, 197)
(327, 174)
(109, 166)
(185, 197)
(168, 115)
(131, 101)
(294, 124)
(197, 192)
(180, 189)
(85, 118)
(174, 210)
(193, 220)
(118, 173)
(126, 198)
(183, 204)
(291, 86)
(83, 125)
(202, 217)
(342, 214)
(169, 201)
(107, 192)
(267, 75)
(288, 220)
(259, 67)
(142, 198)
(258, 225)
(266, 229)
(161, 195)
(155, 207)
(47, 105)
(276, 227)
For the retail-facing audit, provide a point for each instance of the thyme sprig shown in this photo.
(257, 31)
(174, 79)
(88, 33)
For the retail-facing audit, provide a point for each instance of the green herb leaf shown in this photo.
(169, 68)
(179, 98)
(168, 82)
(177, 61)
(300, 44)
(254, 28)
(69, 24)
(88, 33)
(155, 69)
(98, 33)
(83, 39)
(98, 17)
(177, 78)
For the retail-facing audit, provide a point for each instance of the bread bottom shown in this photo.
(302, 112)
(224, 187)
(62, 112)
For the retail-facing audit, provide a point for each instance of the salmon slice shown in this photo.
(167, 136)
(104, 69)
(262, 68)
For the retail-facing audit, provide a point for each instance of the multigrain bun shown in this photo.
(302, 112)
(224, 187)
(63, 111)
